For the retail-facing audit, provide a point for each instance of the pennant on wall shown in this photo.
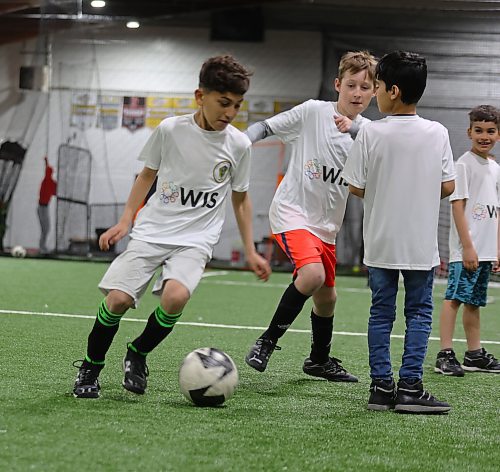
(109, 112)
(83, 110)
(134, 112)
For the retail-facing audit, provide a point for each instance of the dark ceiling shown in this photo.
(20, 20)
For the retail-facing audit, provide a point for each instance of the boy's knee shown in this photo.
(119, 302)
(174, 296)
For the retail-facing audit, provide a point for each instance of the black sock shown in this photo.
(102, 334)
(476, 352)
(159, 326)
(321, 337)
(289, 307)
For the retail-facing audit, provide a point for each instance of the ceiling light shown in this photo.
(133, 24)
(97, 3)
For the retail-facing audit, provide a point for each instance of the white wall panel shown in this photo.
(145, 62)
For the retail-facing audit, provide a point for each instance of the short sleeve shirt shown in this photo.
(312, 194)
(477, 182)
(401, 162)
(196, 170)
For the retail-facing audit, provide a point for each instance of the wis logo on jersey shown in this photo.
(221, 171)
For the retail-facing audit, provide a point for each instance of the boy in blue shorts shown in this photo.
(474, 246)
(401, 166)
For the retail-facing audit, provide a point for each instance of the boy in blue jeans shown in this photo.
(474, 246)
(401, 166)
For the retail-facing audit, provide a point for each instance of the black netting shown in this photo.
(73, 211)
(102, 217)
(73, 173)
(72, 227)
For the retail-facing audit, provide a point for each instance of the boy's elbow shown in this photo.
(447, 188)
(359, 192)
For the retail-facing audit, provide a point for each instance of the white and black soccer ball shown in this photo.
(208, 376)
(18, 251)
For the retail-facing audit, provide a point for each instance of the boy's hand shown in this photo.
(470, 260)
(343, 123)
(113, 235)
(259, 265)
(496, 265)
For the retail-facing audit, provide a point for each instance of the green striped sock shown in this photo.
(105, 316)
(164, 319)
(159, 325)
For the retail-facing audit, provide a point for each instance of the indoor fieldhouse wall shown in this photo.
(149, 61)
(463, 57)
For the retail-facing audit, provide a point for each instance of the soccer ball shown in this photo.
(18, 251)
(208, 376)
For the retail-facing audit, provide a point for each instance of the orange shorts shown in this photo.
(302, 248)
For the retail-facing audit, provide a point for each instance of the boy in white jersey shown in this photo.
(402, 166)
(309, 206)
(198, 159)
(474, 246)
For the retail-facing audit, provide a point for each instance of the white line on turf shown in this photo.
(271, 285)
(214, 273)
(207, 325)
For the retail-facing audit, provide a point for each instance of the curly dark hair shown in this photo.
(224, 74)
(485, 113)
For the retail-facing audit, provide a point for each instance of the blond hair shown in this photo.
(356, 61)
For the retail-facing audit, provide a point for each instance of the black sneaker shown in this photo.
(87, 380)
(259, 355)
(382, 395)
(482, 362)
(412, 398)
(447, 364)
(330, 370)
(136, 372)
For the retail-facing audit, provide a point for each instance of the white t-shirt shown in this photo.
(196, 168)
(400, 162)
(478, 182)
(312, 195)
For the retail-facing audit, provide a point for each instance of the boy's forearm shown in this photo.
(138, 193)
(458, 210)
(258, 131)
(242, 207)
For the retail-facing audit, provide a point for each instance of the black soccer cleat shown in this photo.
(87, 380)
(412, 398)
(135, 372)
(482, 362)
(382, 395)
(259, 354)
(447, 364)
(330, 370)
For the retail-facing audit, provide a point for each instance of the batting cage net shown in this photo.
(11, 161)
(74, 166)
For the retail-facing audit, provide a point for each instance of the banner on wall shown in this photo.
(104, 111)
(83, 110)
(184, 106)
(134, 112)
(109, 112)
(157, 109)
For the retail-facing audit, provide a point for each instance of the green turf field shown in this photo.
(280, 420)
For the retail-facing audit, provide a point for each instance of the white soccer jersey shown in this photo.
(196, 168)
(400, 162)
(312, 195)
(478, 182)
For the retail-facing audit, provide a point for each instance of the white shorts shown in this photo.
(134, 268)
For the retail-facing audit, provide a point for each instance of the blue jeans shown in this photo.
(418, 314)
